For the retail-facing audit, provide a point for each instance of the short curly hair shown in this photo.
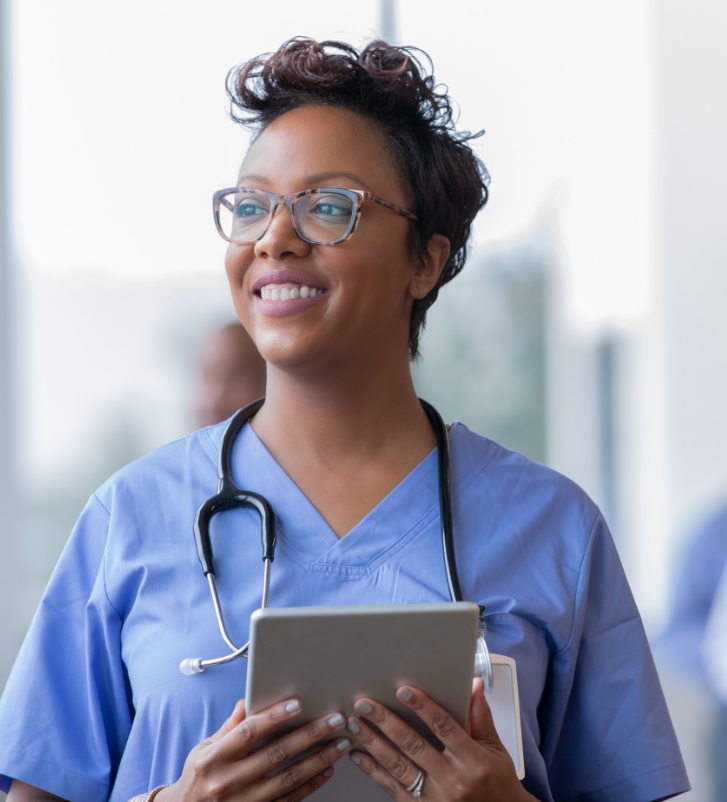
(387, 84)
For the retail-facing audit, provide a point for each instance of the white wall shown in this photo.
(692, 215)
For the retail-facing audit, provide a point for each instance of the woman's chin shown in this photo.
(290, 352)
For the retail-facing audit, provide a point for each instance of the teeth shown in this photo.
(274, 293)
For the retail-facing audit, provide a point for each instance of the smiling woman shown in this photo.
(352, 208)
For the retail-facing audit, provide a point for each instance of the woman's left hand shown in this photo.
(474, 767)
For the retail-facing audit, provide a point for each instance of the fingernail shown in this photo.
(343, 745)
(356, 759)
(404, 693)
(336, 721)
(292, 707)
(363, 707)
(328, 772)
(352, 726)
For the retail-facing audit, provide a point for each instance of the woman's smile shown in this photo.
(286, 292)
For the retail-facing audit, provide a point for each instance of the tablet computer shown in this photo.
(330, 656)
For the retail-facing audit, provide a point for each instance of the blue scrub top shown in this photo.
(96, 707)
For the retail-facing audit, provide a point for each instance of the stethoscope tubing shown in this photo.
(229, 495)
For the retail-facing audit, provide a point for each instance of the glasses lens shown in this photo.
(244, 215)
(324, 216)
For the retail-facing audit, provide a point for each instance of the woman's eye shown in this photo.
(330, 209)
(249, 209)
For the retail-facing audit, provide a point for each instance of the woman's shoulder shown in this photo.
(534, 538)
(518, 492)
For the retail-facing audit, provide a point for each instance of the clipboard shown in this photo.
(504, 703)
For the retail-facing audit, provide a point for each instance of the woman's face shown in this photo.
(364, 286)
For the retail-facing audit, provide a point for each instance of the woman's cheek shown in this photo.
(237, 261)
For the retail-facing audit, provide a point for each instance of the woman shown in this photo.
(334, 290)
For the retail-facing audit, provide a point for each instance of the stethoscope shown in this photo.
(229, 495)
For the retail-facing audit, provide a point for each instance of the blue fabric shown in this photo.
(702, 566)
(97, 708)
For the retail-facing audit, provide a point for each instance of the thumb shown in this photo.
(482, 726)
(238, 715)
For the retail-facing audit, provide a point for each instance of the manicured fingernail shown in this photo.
(356, 759)
(363, 707)
(352, 726)
(343, 745)
(336, 721)
(292, 707)
(328, 772)
(404, 693)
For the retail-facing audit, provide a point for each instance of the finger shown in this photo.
(379, 775)
(290, 746)
(435, 717)
(402, 767)
(407, 739)
(482, 725)
(305, 790)
(243, 734)
(291, 778)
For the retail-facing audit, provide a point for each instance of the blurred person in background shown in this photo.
(353, 207)
(683, 643)
(231, 375)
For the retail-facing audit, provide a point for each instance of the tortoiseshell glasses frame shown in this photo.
(296, 209)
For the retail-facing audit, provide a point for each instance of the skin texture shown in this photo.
(341, 415)
(231, 375)
(342, 419)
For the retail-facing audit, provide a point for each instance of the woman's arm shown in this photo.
(22, 792)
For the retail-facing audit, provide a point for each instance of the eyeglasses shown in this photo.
(323, 216)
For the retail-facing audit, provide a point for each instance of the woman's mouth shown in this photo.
(289, 291)
(281, 299)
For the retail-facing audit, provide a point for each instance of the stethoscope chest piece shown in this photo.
(483, 664)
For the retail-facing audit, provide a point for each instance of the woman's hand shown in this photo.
(222, 767)
(474, 767)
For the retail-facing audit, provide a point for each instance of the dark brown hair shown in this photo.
(447, 181)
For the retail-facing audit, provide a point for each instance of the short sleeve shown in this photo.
(607, 734)
(66, 710)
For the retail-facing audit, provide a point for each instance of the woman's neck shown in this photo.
(346, 438)
(352, 407)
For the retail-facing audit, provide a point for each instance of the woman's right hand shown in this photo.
(226, 767)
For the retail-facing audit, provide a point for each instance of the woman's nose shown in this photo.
(281, 238)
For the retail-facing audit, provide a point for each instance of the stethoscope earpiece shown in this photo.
(191, 665)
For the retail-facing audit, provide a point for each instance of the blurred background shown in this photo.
(587, 331)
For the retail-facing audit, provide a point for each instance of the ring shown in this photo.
(415, 789)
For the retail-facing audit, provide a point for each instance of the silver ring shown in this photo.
(415, 789)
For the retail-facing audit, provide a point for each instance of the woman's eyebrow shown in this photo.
(321, 177)
(251, 177)
(312, 180)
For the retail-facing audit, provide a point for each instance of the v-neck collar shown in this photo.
(305, 535)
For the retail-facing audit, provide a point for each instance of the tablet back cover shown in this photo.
(330, 656)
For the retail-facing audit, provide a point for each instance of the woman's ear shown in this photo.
(429, 269)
